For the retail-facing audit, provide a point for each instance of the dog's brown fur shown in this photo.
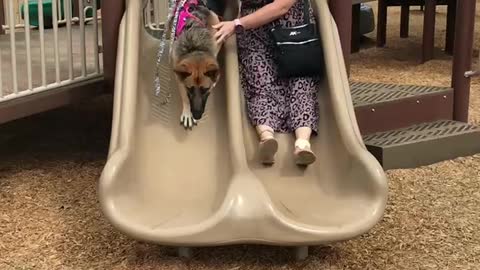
(195, 65)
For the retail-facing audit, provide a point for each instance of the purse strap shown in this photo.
(306, 11)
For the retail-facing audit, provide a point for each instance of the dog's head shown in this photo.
(198, 73)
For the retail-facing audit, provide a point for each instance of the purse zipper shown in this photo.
(298, 42)
(292, 27)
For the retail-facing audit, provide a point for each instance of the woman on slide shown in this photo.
(274, 104)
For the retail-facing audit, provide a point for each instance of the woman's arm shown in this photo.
(262, 16)
(267, 14)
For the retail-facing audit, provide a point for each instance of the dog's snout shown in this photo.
(197, 107)
(197, 115)
(198, 99)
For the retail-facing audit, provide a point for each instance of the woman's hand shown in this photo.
(224, 31)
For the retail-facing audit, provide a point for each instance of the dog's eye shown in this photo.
(212, 74)
(183, 74)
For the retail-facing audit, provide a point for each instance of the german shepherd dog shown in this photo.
(195, 64)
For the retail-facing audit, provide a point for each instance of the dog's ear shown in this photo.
(182, 70)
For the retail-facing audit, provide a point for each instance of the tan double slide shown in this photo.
(204, 187)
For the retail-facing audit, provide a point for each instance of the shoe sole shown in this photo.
(305, 158)
(267, 151)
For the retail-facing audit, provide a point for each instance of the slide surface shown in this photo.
(203, 187)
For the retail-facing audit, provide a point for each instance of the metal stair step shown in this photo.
(424, 144)
(382, 107)
(373, 93)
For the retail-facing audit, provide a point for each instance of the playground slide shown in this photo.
(205, 187)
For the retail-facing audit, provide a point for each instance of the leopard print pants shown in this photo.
(283, 104)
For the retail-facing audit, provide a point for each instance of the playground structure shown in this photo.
(227, 197)
(429, 7)
(395, 121)
(407, 126)
(146, 193)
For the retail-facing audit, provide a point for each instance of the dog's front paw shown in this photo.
(186, 120)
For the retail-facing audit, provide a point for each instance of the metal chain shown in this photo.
(173, 12)
(174, 9)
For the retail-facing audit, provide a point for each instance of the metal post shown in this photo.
(68, 18)
(55, 15)
(355, 44)
(76, 10)
(2, 17)
(429, 30)
(462, 57)
(95, 35)
(342, 14)
(41, 29)
(111, 18)
(1, 79)
(28, 47)
(382, 23)
(449, 39)
(83, 47)
(185, 252)
(301, 253)
(404, 21)
(13, 47)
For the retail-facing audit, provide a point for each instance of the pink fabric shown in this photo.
(184, 15)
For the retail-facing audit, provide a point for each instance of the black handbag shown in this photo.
(298, 49)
